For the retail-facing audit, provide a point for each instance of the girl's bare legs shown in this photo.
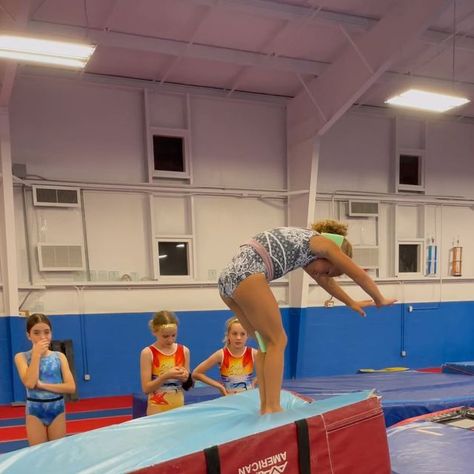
(256, 300)
(36, 432)
(57, 429)
(259, 361)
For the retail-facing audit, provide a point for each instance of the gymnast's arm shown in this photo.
(332, 287)
(199, 373)
(324, 248)
(67, 386)
(29, 374)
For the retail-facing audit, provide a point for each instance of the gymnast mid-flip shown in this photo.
(323, 252)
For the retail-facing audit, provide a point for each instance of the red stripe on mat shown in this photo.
(88, 404)
(13, 433)
(16, 433)
(79, 426)
(12, 412)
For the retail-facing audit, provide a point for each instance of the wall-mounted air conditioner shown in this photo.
(60, 258)
(363, 209)
(56, 196)
(366, 256)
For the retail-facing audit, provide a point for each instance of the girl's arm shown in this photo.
(325, 248)
(199, 373)
(187, 359)
(332, 287)
(187, 381)
(67, 386)
(149, 385)
(29, 373)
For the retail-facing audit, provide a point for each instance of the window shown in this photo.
(410, 258)
(410, 171)
(169, 153)
(173, 258)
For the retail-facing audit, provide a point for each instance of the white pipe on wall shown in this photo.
(153, 188)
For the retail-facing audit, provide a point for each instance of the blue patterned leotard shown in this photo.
(40, 403)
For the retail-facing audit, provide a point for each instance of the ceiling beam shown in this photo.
(180, 48)
(325, 99)
(350, 22)
(247, 58)
(287, 12)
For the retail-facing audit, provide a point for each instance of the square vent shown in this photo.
(363, 209)
(53, 196)
(366, 257)
(60, 258)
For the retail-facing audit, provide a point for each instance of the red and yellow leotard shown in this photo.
(169, 395)
(237, 372)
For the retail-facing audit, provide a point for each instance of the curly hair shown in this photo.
(330, 226)
(334, 227)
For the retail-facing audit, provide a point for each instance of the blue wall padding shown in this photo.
(321, 341)
(6, 390)
(435, 336)
(337, 341)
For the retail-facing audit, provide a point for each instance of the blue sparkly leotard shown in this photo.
(40, 403)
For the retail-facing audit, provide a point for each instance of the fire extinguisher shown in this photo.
(432, 258)
(456, 259)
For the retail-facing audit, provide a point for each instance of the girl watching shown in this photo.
(164, 366)
(235, 361)
(47, 377)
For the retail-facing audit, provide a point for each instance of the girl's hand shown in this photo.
(39, 385)
(358, 305)
(40, 348)
(184, 374)
(222, 390)
(179, 373)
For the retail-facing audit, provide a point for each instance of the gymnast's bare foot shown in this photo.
(268, 410)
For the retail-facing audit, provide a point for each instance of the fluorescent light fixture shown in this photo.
(423, 100)
(180, 245)
(162, 256)
(57, 53)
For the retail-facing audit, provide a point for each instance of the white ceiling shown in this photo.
(360, 51)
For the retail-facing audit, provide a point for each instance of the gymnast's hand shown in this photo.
(179, 373)
(40, 348)
(358, 305)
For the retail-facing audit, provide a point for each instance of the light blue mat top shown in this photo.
(150, 440)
